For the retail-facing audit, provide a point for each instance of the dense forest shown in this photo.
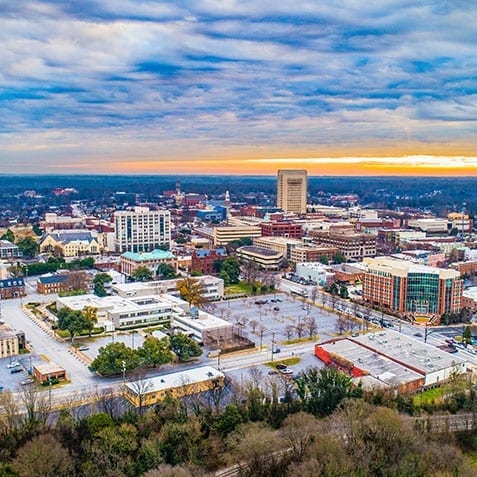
(387, 192)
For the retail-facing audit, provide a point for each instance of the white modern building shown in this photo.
(128, 312)
(315, 271)
(141, 229)
(213, 288)
(200, 324)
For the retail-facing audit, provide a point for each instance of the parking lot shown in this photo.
(11, 377)
(279, 317)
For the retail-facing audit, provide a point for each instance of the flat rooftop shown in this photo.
(176, 380)
(117, 303)
(204, 321)
(408, 350)
(383, 369)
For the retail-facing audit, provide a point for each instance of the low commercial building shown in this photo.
(230, 233)
(48, 371)
(394, 359)
(353, 246)
(12, 288)
(282, 245)
(131, 261)
(9, 343)
(310, 253)
(52, 283)
(128, 312)
(430, 226)
(469, 298)
(179, 384)
(201, 326)
(405, 287)
(281, 229)
(264, 258)
(203, 259)
(465, 268)
(349, 273)
(212, 288)
(315, 271)
(9, 250)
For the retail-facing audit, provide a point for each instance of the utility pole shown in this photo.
(261, 338)
(273, 345)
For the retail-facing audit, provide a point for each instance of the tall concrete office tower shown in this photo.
(292, 190)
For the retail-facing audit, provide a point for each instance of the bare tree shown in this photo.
(314, 292)
(289, 331)
(311, 326)
(140, 384)
(37, 406)
(109, 402)
(341, 324)
(76, 281)
(300, 328)
(10, 415)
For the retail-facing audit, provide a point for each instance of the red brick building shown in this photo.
(203, 259)
(281, 229)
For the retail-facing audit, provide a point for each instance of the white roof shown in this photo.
(176, 380)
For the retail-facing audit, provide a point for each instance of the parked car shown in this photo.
(16, 370)
(27, 381)
(83, 348)
(13, 364)
(418, 334)
(281, 366)
(287, 371)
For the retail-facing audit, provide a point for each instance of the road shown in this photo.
(83, 382)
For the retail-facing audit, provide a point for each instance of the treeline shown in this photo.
(58, 263)
(330, 431)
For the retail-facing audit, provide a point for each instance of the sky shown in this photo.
(339, 87)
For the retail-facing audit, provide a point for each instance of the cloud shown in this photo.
(227, 74)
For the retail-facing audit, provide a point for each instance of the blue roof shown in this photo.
(206, 252)
(12, 282)
(48, 279)
(146, 256)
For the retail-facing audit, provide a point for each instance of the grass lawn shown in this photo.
(428, 397)
(238, 288)
(286, 362)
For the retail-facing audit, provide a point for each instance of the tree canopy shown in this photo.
(322, 390)
(228, 270)
(74, 321)
(99, 280)
(155, 352)
(28, 247)
(184, 347)
(110, 359)
(192, 291)
(165, 271)
(142, 274)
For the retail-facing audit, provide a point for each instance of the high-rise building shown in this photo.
(292, 190)
(141, 229)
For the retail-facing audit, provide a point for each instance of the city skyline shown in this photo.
(121, 87)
